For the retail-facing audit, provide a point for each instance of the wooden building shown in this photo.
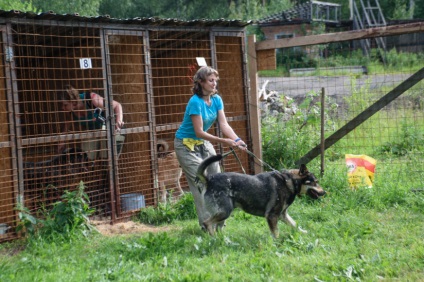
(299, 20)
(145, 64)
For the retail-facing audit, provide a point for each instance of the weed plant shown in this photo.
(69, 217)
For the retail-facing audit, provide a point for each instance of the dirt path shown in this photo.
(334, 85)
(125, 228)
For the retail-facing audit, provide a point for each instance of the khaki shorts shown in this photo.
(97, 149)
(189, 162)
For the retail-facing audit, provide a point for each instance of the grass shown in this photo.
(363, 235)
(395, 62)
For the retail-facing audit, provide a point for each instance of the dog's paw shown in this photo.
(302, 230)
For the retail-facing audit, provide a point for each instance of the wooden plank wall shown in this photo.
(229, 55)
(171, 71)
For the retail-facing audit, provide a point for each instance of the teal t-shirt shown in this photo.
(88, 121)
(197, 106)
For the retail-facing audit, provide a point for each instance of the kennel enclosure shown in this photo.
(144, 64)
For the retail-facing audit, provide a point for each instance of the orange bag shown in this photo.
(361, 169)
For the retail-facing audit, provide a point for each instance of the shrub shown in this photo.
(70, 215)
(411, 139)
(67, 218)
(283, 136)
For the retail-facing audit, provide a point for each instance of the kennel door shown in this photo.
(128, 79)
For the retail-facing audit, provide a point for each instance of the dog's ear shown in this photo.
(283, 176)
(303, 170)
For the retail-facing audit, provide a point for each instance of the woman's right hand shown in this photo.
(241, 145)
(232, 143)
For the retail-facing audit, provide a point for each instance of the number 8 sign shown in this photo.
(85, 63)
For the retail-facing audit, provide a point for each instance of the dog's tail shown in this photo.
(203, 165)
(162, 147)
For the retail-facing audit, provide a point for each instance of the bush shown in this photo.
(67, 218)
(411, 139)
(284, 140)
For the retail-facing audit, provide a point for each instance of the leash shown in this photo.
(232, 151)
(238, 160)
(260, 161)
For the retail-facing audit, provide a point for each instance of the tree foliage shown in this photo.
(81, 7)
(26, 6)
(193, 9)
(392, 9)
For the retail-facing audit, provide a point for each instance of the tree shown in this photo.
(419, 9)
(190, 9)
(181, 9)
(275, 6)
(216, 9)
(125, 9)
(81, 7)
(245, 9)
(392, 9)
(25, 6)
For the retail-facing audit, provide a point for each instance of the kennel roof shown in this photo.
(151, 21)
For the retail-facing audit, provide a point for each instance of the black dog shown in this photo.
(70, 161)
(39, 175)
(267, 194)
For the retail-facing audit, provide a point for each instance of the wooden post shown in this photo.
(254, 110)
(322, 130)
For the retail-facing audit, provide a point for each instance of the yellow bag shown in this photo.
(361, 169)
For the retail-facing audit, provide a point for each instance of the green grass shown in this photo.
(395, 62)
(364, 235)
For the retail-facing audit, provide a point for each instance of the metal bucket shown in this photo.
(132, 201)
(3, 228)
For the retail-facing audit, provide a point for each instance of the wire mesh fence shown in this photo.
(373, 103)
(62, 87)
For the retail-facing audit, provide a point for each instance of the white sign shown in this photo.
(85, 63)
(201, 61)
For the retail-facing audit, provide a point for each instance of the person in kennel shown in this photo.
(87, 109)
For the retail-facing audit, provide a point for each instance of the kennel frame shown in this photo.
(220, 37)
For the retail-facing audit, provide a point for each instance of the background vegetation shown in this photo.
(193, 9)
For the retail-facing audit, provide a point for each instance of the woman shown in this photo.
(192, 141)
(86, 108)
